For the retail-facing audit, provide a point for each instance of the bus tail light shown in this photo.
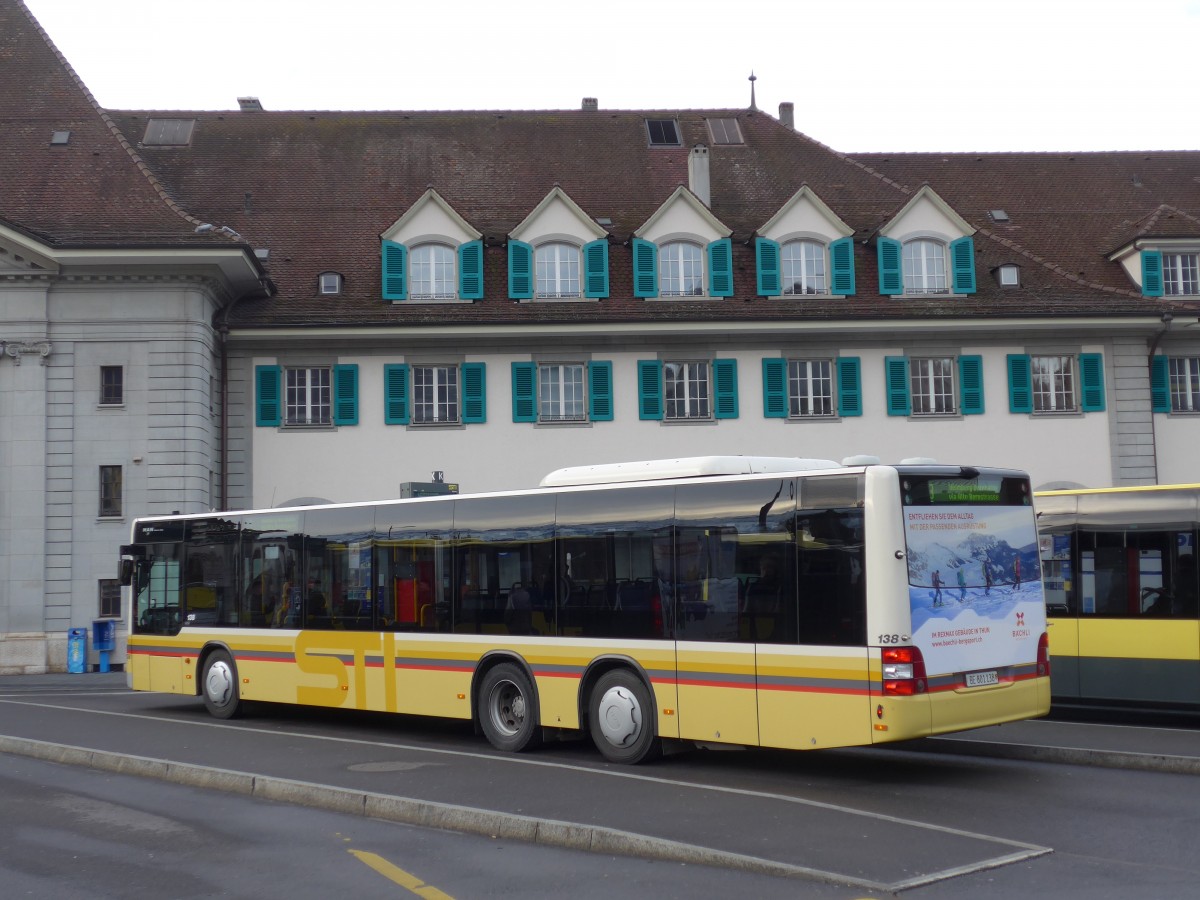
(903, 671)
(1043, 657)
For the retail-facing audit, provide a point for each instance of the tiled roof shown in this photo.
(316, 189)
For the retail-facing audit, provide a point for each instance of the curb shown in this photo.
(423, 813)
(1107, 759)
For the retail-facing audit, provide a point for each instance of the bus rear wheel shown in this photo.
(219, 684)
(508, 709)
(620, 717)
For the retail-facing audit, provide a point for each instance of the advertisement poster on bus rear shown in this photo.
(975, 586)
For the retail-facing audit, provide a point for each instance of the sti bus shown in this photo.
(759, 601)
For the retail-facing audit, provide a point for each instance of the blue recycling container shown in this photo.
(76, 650)
(104, 639)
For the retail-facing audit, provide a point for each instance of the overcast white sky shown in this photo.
(865, 75)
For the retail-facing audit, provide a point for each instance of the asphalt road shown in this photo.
(993, 807)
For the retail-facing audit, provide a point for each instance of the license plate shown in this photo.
(979, 679)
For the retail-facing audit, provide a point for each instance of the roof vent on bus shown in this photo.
(919, 461)
(861, 459)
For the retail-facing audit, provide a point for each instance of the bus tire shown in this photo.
(219, 685)
(508, 710)
(621, 718)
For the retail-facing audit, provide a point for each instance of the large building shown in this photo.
(249, 308)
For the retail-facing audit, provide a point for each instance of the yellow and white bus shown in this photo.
(1121, 592)
(771, 602)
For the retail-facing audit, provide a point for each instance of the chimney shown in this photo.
(698, 177)
(590, 103)
(249, 104)
(787, 114)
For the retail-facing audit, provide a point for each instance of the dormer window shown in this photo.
(329, 283)
(432, 254)
(557, 271)
(803, 265)
(680, 270)
(1180, 274)
(1009, 276)
(924, 267)
(431, 274)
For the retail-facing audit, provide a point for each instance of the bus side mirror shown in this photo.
(130, 554)
(126, 572)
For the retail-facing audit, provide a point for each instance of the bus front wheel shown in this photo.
(219, 684)
(621, 718)
(508, 709)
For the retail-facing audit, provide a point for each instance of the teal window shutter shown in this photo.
(970, 384)
(395, 394)
(962, 261)
(849, 374)
(650, 390)
(725, 389)
(720, 268)
(595, 268)
(766, 254)
(520, 271)
(395, 266)
(775, 398)
(470, 270)
(600, 391)
(899, 401)
(1020, 384)
(1091, 379)
(474, 393)
(841, 267)
(645, 270)
(1160, 384)
(266, 401)
(345, 395)
(891, 275)
(1152, 273)
(524, 392)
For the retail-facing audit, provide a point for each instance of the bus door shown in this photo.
(157, 613)
(813, 668)
(1061, 583)
(1138, 633)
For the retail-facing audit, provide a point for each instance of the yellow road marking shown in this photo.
(400, 877)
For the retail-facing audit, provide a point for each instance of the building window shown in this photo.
(110, 598)
(1184, 380)
(432, 275)
(168, 132)
(932, 386)
(686, 390)
(330, 283)
(663, 132)
(725, 131)
(810, 388)
(561, 393)
(1180, 273)
(110, 492)
(1009, 276)
(680, 270)
(924, 267)
(308, 396)
(435, 395)
(112, 385)
(803, 268)
(1053, 383)
(557, 271)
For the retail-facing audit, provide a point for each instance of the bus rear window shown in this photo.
(980, 489)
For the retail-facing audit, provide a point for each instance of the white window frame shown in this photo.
(802, 263)
(433, 272)
(1010, 276)
(557, 268)
(1183, 377)
(810, 389)
(931, 386)
(681, 269)
(329, 283)
(923, 262)
(687, 390)
(1055, 387)
(562, 392)
(1181, 274)
(308, 396)
(436, 395)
